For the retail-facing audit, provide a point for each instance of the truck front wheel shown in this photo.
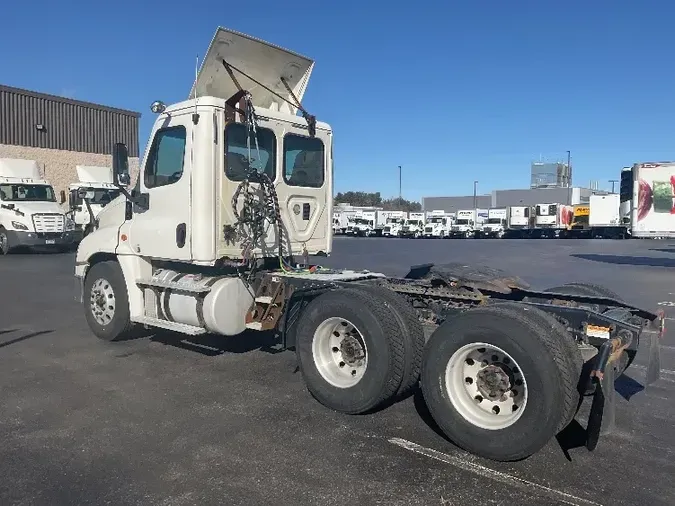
(350, 350)
(106, 302)
(497, 382)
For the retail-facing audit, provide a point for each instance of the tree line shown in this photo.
(375, 200)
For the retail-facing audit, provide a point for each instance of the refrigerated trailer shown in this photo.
(647, 202)
(518, 222)
(216, 240)
(550, 220)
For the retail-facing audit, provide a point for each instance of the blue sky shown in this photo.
(452, 91)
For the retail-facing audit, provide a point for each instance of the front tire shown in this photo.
(495, 381)
(350, 351)
(5, 246)
(106, 301)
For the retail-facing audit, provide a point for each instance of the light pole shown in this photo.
(475, 187)
(613, 181)
(400, 200)
(569, 177)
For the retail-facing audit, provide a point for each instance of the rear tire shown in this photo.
(410, 329)
(106, 302)
(527, 366)
(350, 351)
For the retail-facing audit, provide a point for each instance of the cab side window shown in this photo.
(303, 161)
(165, 162)
(240, 144)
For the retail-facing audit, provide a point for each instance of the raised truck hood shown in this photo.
(260, 60)
(94, 174)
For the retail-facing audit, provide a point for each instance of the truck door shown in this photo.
(163, 230)
(304, 198)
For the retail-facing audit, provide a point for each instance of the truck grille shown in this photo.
(429, 229)
(49, 222)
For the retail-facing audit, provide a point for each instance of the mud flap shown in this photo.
(602, 418)
(654, 365)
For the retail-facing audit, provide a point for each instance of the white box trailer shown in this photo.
(519, 221)
(413, 226)
(604, 217)
(341, 222)
(651, 187)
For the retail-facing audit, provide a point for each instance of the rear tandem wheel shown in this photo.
(498, 382)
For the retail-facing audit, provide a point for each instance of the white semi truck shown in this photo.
(518, 224)
(393, 223)
(464, 226)
(210, 241)
(437, 225)
(30, 216)
(98, 182)
(647, 197)
(362, 224)
(496, 224)
(413, 226)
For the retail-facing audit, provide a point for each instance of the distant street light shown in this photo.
(475, 188)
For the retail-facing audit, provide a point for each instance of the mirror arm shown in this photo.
(142, 200)
(92, 218)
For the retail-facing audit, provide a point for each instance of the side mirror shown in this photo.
(72, 199)
(120, 162)
(62, 196)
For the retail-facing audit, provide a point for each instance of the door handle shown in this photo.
(180, 235)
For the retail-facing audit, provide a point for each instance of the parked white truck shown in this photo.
(551, 220)
(362, 223)
(340, 222)
(392, 222)
(604, 219)
(648, 199)
(437, 224)
(464, 226)
(30, 216)
(518, 222)
(98, 182)
(496, 224)
(207, 243)
(413, 226)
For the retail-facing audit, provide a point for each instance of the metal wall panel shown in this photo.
(454, 204)
(69, 125)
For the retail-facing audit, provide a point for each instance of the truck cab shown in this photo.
(465, 225)
(437, 225)
(30, 216)
(98, 182)
(413, 226)
(393, 223)
(496, 223)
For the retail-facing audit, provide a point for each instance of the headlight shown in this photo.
(70, 224)
(19, 226)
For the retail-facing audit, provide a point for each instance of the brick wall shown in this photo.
(59, 166)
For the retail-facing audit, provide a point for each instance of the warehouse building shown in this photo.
(61, 133)
(505, 198)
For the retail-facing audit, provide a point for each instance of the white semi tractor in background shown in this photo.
(30, 216)
(195, 250)
(98, 182)
(413, 226)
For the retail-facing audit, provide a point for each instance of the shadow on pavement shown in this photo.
(212, 345)
(627, 260)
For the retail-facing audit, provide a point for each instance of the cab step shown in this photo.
(190, 330)
(172, 285)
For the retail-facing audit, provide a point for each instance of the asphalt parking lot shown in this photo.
(172, 421)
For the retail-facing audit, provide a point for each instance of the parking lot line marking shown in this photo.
(486, 472)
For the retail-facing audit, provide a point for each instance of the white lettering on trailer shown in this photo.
(486, 472)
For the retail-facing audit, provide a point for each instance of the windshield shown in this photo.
(363, 221)
(394, 220)
(414, 223)
(27, 193)
(462, 221)
(494, 220)
(581, 219)
(102, 197)
(437, 220)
